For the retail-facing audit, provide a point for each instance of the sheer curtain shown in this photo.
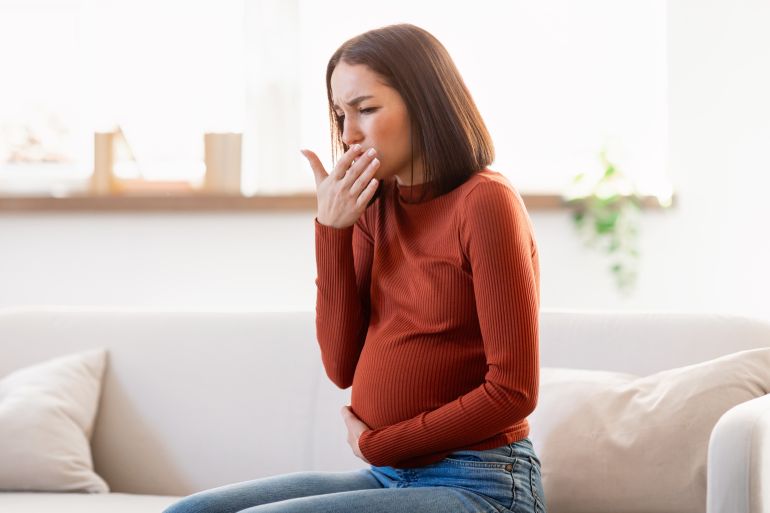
(164, 72)
(556, 81)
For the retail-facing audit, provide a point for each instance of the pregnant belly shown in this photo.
(391, 385)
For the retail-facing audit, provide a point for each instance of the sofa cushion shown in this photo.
(613, 442)
(83, 503)
(47, 414)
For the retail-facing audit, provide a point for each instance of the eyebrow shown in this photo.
(356, 101)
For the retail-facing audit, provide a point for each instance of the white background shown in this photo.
(710, 253)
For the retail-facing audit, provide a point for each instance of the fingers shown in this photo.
(353, 183)
(344, 163)
(368, 192)
(315, 164)
(358, 167)
(365, 177)
(340, 168)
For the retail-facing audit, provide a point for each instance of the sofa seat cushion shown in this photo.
(13, 502)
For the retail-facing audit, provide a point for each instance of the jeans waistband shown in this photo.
(520, 448)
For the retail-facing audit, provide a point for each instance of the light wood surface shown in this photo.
(212, 202)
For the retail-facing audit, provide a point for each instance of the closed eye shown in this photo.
(362, 111)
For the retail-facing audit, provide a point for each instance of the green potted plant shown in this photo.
(606, 212)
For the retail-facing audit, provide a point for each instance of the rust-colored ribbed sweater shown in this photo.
(430, 311)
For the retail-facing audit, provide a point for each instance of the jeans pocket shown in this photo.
(486, 475)
(528, 494)
(536, 484)
(477, 459)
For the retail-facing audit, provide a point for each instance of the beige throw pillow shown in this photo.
(47, 412)
(617, 443)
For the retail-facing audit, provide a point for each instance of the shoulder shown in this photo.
(490, 191)
(492, 210)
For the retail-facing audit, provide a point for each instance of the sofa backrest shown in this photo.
(195, 399)
(643, 342)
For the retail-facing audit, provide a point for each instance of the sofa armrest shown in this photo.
(738, 470)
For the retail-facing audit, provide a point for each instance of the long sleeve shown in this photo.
(343, 263)
(496, 237)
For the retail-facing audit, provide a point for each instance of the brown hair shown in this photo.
(447, 128)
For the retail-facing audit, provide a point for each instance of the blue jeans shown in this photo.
(505, 479)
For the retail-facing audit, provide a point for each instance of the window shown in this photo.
(164, 72)
(556, 82)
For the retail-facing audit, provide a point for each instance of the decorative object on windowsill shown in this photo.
(38, 152)
(223, 162)
(37, 136)
(103, 179)
(606, 213)
(112, 147)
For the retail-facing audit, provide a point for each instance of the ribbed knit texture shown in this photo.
(430, 311)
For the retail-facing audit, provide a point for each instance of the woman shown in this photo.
(428, 298)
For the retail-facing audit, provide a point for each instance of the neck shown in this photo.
(406, 178)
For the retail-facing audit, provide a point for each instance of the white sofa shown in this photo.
(195, 399)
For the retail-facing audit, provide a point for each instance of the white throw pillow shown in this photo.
(612, 442)
(47, 413)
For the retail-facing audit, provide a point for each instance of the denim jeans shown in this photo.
(505, 479)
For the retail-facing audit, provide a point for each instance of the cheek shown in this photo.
(391, 138)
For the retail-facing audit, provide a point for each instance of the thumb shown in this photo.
(315, 163)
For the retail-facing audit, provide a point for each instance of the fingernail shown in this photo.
(371, 152)
(356, 147)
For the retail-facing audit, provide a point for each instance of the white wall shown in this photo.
(708, 254)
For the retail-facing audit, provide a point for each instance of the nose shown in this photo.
(351, 133)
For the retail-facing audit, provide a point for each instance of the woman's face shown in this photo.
(375, 116)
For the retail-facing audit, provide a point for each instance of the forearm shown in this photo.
(341, 317)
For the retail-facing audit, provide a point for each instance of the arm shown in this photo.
(343, 263)
(738, 472)
(496, 237)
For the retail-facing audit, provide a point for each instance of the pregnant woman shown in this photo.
(428, 299)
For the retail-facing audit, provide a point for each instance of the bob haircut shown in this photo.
(446, 125)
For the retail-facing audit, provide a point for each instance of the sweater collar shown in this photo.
(411, 193)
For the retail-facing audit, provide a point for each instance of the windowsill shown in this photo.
(192, 202)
